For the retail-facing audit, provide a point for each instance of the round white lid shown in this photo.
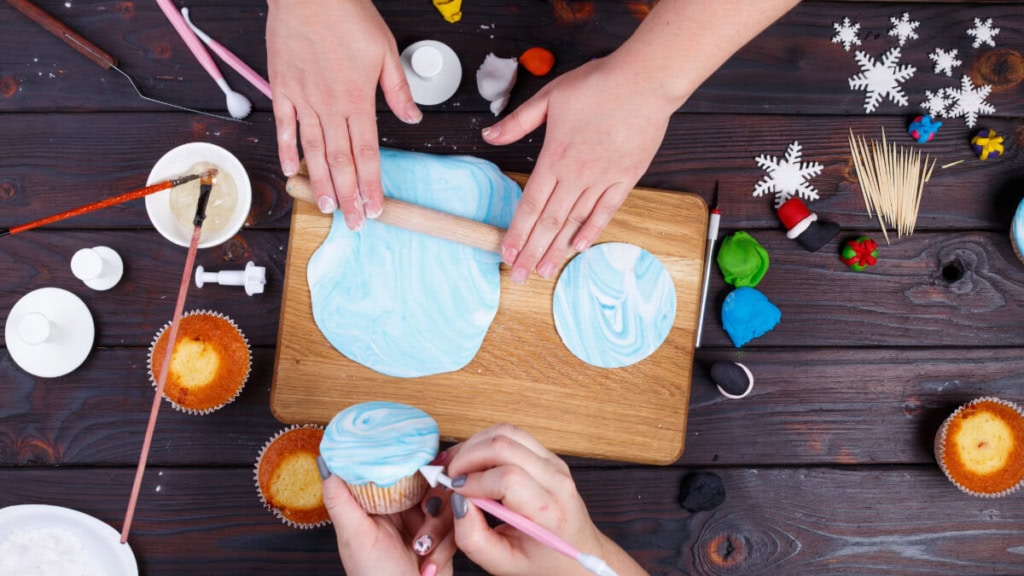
(61, 324)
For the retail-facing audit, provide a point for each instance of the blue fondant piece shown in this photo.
(747, 314)
(402, 303)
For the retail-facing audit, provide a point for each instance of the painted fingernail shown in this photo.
(423, 544)
(581, 245)
(519, 275)
(432, 506)
(429, 570)
(459, 506)
(327, 204)
(508, 255)
(546, 270)
(290, 168)
(459, 481)
(354, 222)
(321, 466)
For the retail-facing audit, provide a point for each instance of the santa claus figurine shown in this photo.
(803, 225)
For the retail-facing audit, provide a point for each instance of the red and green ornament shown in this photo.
(860, 253)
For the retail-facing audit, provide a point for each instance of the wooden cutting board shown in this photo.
(523, 373)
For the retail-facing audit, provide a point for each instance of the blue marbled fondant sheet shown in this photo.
(379, 442)
(402, 303)
(614, 305)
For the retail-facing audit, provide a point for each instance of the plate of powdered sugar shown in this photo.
(42, 540)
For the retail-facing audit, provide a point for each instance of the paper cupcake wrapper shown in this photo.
(153, 376)
(259, 491)
(940, 448)
(398, 497)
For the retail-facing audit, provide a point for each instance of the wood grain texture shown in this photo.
(774, 521)
(523, 373)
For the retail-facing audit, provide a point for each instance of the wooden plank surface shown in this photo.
(642, 408)
(827, 465)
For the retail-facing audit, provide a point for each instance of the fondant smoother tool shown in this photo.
(435, 475)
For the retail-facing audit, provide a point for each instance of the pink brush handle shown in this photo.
(190, 38)
(241, 67)
(527, 526)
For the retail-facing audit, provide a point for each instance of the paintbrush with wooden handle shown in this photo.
(419, 219)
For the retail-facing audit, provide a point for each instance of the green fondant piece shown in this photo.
(742, 260)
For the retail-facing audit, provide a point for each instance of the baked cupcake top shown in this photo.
(287, 477)
(210, 363)
(982, 448)
(379, 442)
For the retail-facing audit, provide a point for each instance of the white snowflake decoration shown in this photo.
(944, 61)
(787, 178)
(983, 33)
(846, 34)
(881, 79)
(969, 101)
(903, 28)
(935, 102)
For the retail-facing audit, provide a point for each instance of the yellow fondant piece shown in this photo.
(450, 9)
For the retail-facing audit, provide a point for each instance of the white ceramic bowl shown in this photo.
(175, 163)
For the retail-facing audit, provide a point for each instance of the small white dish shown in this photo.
(49, 332)
(433, 71)
(99, 540)
(175, 163)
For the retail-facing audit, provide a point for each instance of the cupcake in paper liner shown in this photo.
(377, 449)
(210, 364)
(1017, 232)
(287, 478)
(980, 447)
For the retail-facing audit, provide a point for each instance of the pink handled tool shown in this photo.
(229, 57)
(435, 475)
(238, 105)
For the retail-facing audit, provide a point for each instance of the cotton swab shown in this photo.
(238, 105)
(229, 57)
(435, 475)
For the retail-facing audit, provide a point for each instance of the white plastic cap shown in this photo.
(87, 264)
(35, 328)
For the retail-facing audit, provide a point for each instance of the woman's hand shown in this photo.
(417, 541)
(603, 128)
(507, 464)
(325, 61)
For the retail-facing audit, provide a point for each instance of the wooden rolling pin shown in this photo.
(419, 219)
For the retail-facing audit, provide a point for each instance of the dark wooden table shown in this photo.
(827, 465)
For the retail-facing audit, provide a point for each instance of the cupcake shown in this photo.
(377, 449)
(209, 366)
(287, 478)
(1017, 232)
(980, 447)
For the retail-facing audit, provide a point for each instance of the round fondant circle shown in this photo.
(431, 88)
(70, 340)
(175, 163)
(403, 303)
(614, 305)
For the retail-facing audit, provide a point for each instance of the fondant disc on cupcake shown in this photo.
(210, 363)
(287, 477)
(377, 448)
(614, 305)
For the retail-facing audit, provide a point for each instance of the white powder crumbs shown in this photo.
(47, 552)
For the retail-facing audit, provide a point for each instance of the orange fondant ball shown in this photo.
(538, 61)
